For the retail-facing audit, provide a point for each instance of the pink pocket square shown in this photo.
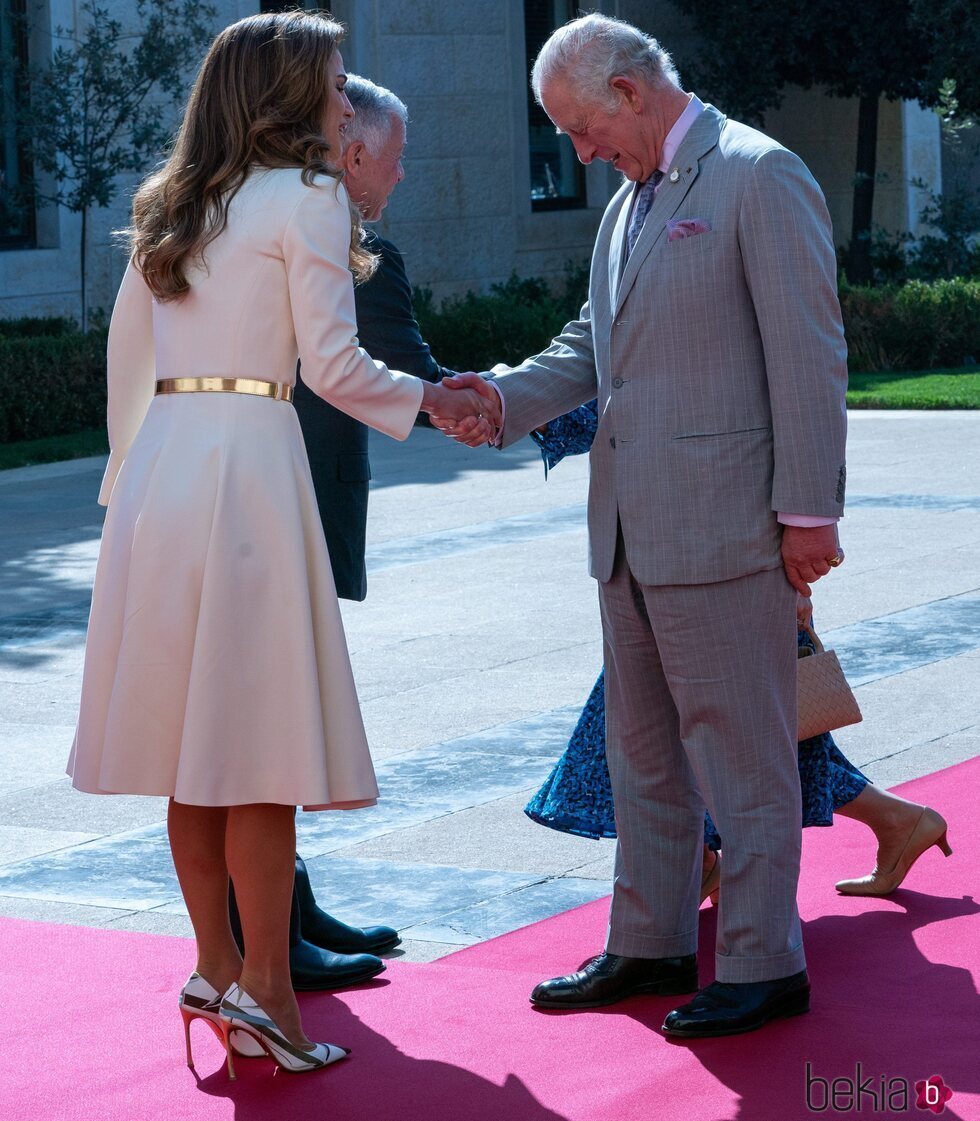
(680, 228)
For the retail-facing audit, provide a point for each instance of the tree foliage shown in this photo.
(754, 49)
(103, 105)
(872, 49)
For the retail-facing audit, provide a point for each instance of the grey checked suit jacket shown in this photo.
(718, 361)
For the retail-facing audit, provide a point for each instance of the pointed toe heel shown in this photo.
(240, 1014)
(929, 830)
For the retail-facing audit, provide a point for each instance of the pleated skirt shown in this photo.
(216, 665)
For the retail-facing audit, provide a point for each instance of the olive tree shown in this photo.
(104, 103)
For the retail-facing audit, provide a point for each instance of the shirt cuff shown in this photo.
(805, 521)
(497, 438)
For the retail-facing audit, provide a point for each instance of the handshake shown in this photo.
(465, 407)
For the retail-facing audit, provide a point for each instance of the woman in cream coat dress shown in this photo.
(216, 669)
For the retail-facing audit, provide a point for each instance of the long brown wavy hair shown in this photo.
(259, 99)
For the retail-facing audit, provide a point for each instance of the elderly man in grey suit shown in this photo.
(712, 337)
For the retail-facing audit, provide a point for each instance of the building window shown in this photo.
(16, 193)
(557, 177)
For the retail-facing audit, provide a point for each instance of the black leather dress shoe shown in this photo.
(607, 978)
(312, 969)
(331, 934)
(727, 1009)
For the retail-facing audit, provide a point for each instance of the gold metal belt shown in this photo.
(278, 390)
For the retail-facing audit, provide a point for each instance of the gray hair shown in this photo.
(592, 50)
(374, 108)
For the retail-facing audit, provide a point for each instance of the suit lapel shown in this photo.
(702, 137)
(617, 243)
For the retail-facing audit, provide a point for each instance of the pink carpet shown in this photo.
(91, 1031)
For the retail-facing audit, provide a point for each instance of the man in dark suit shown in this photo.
(326, 953)
(337, 444)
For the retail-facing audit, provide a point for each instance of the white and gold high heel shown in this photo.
(240, 1015)
(200, 1000)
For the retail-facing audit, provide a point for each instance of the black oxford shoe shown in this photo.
(728, 1009)
(607, 978)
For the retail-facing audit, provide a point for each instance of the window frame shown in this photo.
(15, 86)
(537, 119)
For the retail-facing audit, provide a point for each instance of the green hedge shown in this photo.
(917, 326)
(52, 378)
(33, 328)
(506, 324)
(51, 385)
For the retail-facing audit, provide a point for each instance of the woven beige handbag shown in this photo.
(824, 698)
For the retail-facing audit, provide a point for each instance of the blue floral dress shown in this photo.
(577, 796)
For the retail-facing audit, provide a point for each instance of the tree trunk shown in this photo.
(859, 256)
(81, 270)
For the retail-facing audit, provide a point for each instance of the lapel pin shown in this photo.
(674, 175)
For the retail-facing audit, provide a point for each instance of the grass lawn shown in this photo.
(926, 389)
(53, 449)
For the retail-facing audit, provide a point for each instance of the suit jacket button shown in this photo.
(617, 383)
(612, 441)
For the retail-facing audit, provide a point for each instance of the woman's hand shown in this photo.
(804, 612)
(465, 407)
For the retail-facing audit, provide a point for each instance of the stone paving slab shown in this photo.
(916, 722)
(907, 640)
(32, 755)
(517, 843)
(19, 842)
(56, 802)
(503, 913)
(58, 911)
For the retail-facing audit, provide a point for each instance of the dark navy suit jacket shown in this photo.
(337, 445)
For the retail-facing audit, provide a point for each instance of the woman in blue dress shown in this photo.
(577, 795)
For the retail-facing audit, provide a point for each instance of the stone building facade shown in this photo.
(488, 190)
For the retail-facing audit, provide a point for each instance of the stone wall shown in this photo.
(462, 216)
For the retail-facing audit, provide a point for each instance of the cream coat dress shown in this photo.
(216, 666)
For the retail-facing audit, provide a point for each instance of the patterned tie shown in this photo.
(644, 200)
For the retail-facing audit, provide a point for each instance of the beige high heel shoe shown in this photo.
(929, 830)
(199, 1000)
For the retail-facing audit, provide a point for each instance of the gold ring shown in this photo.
(835, 560)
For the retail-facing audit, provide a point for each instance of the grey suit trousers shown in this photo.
(701, 711)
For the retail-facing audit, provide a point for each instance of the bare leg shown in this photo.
(197, 841)
(904, 831)
(260, 844)
(889, 817)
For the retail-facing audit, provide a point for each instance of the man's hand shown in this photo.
(809, 553)
(483, 420)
